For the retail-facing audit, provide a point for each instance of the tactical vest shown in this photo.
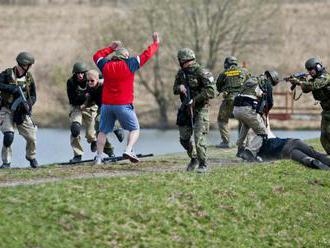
(249, 87)
(8, 98)
(323, 94)
(234, 79)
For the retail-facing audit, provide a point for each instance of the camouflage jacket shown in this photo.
(8, 83)
(200, 83)
(231, 80)
(320, 88)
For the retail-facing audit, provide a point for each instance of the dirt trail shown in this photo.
(115, 173)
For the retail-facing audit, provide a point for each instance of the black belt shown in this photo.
(242, 101)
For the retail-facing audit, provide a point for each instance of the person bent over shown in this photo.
(196, 87)
(94, 96)
(80, 114)
(295, 149)
(254, 100)
(18, 93)
(118, 93)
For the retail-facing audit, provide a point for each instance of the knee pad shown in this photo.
(75, 129)
(8, 138)
(186, 144)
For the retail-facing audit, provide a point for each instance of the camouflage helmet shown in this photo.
(25, 58)
(186, 54)
(229, 61)
(273, 76)
(313, 63)
(79, 68)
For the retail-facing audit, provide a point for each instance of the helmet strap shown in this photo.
(23, 69)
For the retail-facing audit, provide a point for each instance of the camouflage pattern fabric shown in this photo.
(229, 83)
(325, 131)
(200, 131)
(320, 88)
(202, 88)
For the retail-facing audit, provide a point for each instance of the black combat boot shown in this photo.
(223, 145)
(319, 165)
(192, 164)
(248, 156)
(93, 146)
(109, 152)
(33, 162)
(5, 166)
(202, 168)
(119, 132)
(239, 152)
(75, 159)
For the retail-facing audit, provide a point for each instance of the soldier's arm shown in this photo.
(33, 92)
(4, 85)
(209, 87)
(317, 83)
(178, 81)
(220, 82)
(70, 89)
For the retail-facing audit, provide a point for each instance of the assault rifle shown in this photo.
(187, 102)
(297, 75)
(21, 100)
(106, 160)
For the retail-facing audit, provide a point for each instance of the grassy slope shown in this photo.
(281, 204)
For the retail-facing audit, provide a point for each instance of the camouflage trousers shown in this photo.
(325, 131)
(225, 112)
(200, 131)
(27, 129)
(84, 117)
(250, 119)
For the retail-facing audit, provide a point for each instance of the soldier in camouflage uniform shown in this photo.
(77, 94)
(196, 86)
(229, 83)
(12, 80)
(319, 85)
(254, 100)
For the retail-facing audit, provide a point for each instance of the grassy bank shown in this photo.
(277, 204)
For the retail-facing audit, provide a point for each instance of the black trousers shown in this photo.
(297, 150)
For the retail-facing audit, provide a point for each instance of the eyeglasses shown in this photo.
(92, 80)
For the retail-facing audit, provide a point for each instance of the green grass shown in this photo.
(280, 204)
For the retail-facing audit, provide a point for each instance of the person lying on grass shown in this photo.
(295, 149)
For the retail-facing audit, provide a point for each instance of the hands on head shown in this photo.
(155, 37)
(115, 45)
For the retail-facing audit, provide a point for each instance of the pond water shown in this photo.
(54, 144)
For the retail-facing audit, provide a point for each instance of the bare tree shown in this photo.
(212, 28)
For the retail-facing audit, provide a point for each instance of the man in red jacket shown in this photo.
(118, 93)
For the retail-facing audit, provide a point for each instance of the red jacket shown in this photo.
(118, 88)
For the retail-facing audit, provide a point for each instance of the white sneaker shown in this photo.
(98, 160)
(131, 156)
